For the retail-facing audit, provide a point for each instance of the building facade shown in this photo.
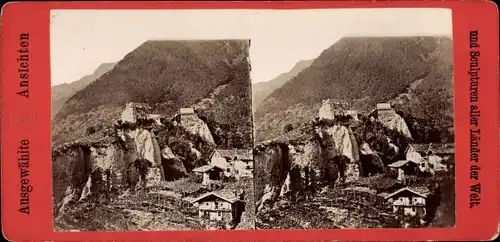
(235, 163)
(407, 202)
(216, 207)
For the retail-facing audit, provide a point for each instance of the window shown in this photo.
(249, 167)
(206, 203)
(423, 164)
(216, 205)
(219, 214)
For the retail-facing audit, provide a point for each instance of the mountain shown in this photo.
(262, 89)
(212, 75)
(413, 73)
(62, 92)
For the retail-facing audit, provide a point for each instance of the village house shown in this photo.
(399, 166)
(431, 157)
(439, 156)
(235, 163)
(407, 201)
(217, 206)
(209, 174)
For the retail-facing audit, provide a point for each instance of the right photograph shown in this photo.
(358, 134)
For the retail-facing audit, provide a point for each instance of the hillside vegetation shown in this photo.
(167, 75)
(415, 73)
(62, 92)
(262, 90)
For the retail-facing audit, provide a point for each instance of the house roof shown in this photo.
(405, 189)
(383, 106)
(446, 148)
(436, 148)
(398, 163)
(240, 154)
(186, 110)
(205, 168)
(361, 189)
(226, 196)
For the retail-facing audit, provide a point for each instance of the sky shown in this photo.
(81, 40)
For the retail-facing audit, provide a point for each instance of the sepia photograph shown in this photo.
(151, 123)
(358, 132)
(252, 119)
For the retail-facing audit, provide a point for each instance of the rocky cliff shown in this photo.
(193, 124)
(365, 71)
(301, 162)
(129, 156)
(394, 121)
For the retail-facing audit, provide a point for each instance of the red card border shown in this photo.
(33, 17)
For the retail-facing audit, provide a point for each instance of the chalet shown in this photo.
(217, 206)
(440, 156)
(431, 157)
(209, 173)
(407, 201)
(235, 163)
(398, 166)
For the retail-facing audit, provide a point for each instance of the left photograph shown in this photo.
(149, 133)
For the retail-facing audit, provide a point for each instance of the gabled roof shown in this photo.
(446, 148)
(240, 154)
(205, 168)
(383, 106)
(436, 148)
(405, 189)
(226, 196)
(361, 189)
(398, 163)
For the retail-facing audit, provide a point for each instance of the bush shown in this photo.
(90, 130)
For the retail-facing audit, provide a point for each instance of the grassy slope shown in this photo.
(62, 92)
(262, 90)
(364, 71)
(171, 73)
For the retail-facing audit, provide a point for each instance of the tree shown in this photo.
(288, 128)
(90, 130)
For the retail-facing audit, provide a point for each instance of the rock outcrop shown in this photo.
(145, 147)
(96, 172)
(193, 124)
(172, 165)
(338, 140)
(390, 119)
(100, 168)
(297, 166)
